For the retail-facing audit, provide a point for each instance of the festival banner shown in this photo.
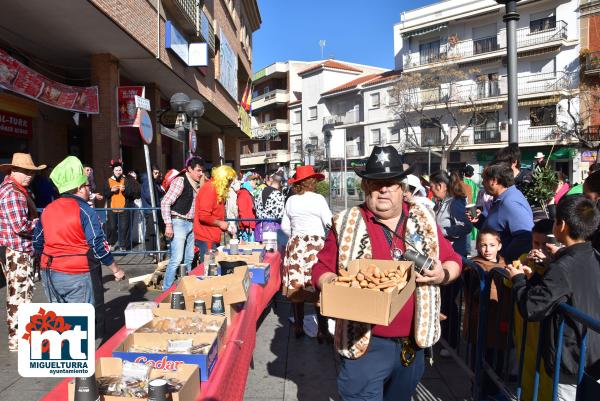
(126, 101)
(18, 78)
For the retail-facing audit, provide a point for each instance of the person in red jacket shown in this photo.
(209, 212)
(72, 244)
(245, 202)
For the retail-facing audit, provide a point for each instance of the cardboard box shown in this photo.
(363, 305)
(138, 314)
(254, 257)
(260, 273)
(161, 360)
(188, 374)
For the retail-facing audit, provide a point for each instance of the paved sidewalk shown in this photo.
(287, 369)
(13, 387)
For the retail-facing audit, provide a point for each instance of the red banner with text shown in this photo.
(21, 79)
(126, 99)
(15, 125)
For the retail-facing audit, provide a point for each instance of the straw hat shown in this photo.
(21, 160)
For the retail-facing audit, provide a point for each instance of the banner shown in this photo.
(126, 101)
(21, 79)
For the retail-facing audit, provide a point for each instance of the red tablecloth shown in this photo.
(228, 379)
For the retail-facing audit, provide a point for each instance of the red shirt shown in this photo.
(206, 211)
(402, 325)
(245, 203)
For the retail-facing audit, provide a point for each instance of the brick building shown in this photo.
(110, 44)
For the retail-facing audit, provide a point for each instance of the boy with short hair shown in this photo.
(572, 276)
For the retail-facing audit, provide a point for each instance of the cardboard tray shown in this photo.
(188, 374)
(363, 305)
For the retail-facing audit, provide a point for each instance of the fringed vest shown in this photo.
(352, 338)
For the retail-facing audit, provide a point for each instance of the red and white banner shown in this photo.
(15, 125)
(126, 101)
(21, 79)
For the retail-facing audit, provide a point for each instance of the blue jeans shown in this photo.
(77, 288)
(182, 249)
(379, 374)
(203, 250)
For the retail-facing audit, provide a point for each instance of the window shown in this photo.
(546, 67)
(297, 117)
(543, 115)
(298, 147)
(394, 134)
(266, 90)
(486, 128)
(375, 100)
(430, 132)
(542, 21)
(392, 97)
(314, 141)
(376, 136)
(429, 52)
(312, 113)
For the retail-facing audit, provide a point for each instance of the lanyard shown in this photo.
(395, 252)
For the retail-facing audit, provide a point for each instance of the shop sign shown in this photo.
(588, 156)
(127, 104)
(229, 66)
(144, 123)
(192, 54)
(142, 103)
(21, 79)
(245, 122)
(15, 125)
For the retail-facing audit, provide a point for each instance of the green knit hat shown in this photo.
(68, 174)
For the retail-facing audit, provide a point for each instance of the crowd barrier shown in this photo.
(501, 352)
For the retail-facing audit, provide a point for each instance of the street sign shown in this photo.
(144, 123)
(193, 140)
(142, 103)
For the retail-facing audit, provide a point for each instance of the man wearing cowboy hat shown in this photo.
(72, 244)
(18, 216)
(387, 362)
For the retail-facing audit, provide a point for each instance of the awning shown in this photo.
(528, 154)
(425, 31)
(540, 101)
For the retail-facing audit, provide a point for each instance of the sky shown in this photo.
(354, 30)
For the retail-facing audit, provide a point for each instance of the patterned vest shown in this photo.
(352, 338)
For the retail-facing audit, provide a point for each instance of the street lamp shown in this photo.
(510, 18)
(327, 134)
(186, 108)
(429, 143)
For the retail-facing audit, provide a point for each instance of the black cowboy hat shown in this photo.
(384, 163)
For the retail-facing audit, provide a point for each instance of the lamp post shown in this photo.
(328, 135)
(188, 115)
(510, 18)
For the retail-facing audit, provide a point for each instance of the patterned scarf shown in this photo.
(352, 338)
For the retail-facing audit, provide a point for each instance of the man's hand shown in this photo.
(436, 275)
(326, 278)
(98, 197)
(169, 231)
(472, 219)
(552, 248)
(117, 272)
(223, 225)
(116, 188)
(232, 228)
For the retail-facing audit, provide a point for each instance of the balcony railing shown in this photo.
(486, 136)
(354, 151)
(547, 32)
(528, 133)
(350, 117)
(528, 85)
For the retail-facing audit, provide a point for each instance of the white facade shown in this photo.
(471, 35)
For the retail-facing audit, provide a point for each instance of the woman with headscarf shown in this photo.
(245, 204)
(117, 225)
(209, 212)
(305, 222)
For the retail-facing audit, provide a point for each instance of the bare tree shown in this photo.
(443, 102)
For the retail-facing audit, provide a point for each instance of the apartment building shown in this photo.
(55, 49)
(470, 35)
(589, 19)
(275, 88)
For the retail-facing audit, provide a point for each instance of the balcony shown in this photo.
(184, 12)
(528, 86)
(486, 136)
(271, 99)
(588, 7)
(431, 139)
(354, 150)
(276, 69)
(592, 63)
(529, 133)
(263, 157)
(270, 129)
(545, 33)
(351, 117)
